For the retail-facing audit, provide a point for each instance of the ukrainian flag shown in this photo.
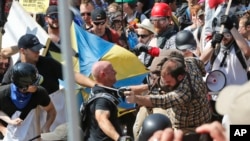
(91, 48)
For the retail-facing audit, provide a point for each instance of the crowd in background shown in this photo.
(179, 43)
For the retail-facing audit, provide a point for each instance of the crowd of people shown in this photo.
(178, 43)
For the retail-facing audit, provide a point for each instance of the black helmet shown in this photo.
(153, 123)
(185, 40)
(25, 74)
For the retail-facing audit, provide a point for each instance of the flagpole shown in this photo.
(72, 115)
(2, 20)
(226, 13)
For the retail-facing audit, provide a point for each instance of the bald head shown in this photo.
(104, 73)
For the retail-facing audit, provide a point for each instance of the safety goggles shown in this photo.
(38, 81)
(226, 34)
(160, 20)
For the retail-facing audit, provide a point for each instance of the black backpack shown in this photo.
(84, 110)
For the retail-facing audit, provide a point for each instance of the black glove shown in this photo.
(121, 92)
(140, 47)
(227, 22)
(217, 38)
(125, 138)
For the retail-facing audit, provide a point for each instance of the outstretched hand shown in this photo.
(16, 121)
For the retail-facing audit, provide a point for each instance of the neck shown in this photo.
(24, 60)
(130, 13)
(53, 31)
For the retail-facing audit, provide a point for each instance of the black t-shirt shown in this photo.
(50, 69)
(96, 134)
(40, 97)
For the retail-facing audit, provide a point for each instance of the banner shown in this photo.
(35, 6)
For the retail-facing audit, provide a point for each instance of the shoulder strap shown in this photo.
(167, 36)
(103, 95)
(214, 55)
(237, 52)
(240, 56)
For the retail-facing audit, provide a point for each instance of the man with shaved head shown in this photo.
(104, 123)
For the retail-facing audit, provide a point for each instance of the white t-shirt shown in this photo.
(232, 68)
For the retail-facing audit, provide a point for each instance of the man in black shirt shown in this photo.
(104, 123)
(29, 47)
(20, 98)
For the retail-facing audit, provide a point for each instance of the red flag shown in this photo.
(214, 3)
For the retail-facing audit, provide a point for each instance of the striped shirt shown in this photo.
(188, 110)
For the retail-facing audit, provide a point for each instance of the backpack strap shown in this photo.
(237, 52)
(107, 96)
(240, 56)
(167, 36)
(213, 57)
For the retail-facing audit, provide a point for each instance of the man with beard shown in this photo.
(185, 92)
(231, 54)
(52, 20)
(5, 63)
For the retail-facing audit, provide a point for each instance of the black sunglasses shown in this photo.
(87, 13)
(142, 36)
(53, 16)
(99, 23)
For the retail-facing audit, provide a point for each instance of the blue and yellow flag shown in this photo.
(91, 48)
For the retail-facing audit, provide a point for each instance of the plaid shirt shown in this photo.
(187, 109)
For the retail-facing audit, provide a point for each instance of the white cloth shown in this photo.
(58, 99)
(24, 132)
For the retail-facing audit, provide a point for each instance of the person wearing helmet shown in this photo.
(29, 47)
(161, 18)
(153, 123)
(19, 99)
(186, 43)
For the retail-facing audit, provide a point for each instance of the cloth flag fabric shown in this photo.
(20, 22)
(214, 3)
(91, 48)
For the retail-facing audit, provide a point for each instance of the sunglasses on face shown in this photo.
(99, 23)
(142, 36)
(53, 16)
(86, 14)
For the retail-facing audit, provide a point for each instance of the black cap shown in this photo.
(98, 14)
(30, 41)
(52, 9)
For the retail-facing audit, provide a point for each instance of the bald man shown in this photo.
(104, 123)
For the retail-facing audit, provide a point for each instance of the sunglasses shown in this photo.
(142, 36)
(99, 23)
(53, 16)
(87, 14)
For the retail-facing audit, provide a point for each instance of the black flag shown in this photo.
(2, 13)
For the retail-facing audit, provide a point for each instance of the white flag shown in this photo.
(20, 22)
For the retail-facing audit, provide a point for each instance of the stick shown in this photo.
(36, 137)
(226, 13)
(2, 20)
